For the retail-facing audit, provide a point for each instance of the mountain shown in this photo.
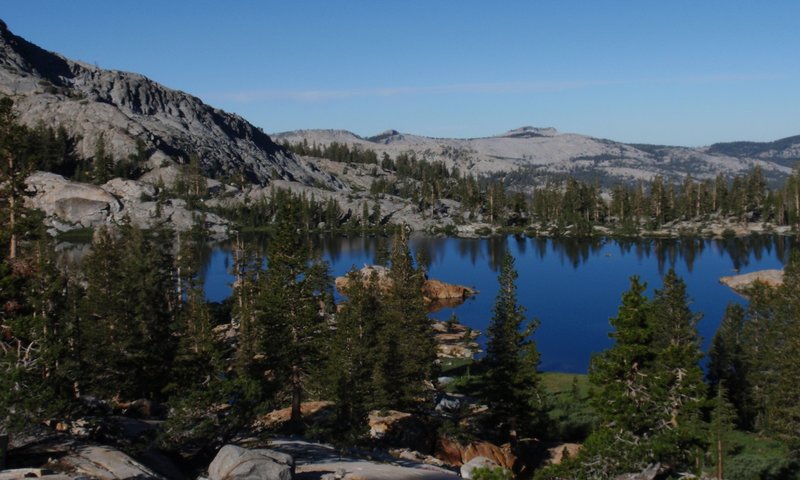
(545, 151)
(122, 107)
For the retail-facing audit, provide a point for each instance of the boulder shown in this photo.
(562, 452)
(237, 463)
(448, 403)
(477, 462)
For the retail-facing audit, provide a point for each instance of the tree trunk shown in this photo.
(296, 418)
(12, 200)
(719, 457)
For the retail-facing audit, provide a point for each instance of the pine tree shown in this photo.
(407, 346)
(723, 417)
(13, 172)
(511, 383)
(352, 358)
(620, 375)
(678, 379)
(127, 313)
(291, 310)
(728, 364)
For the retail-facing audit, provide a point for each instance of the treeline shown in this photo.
(571, 203)
(312, 214)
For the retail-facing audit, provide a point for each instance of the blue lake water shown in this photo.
(573, 286)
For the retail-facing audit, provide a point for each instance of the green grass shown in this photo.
(754, 456)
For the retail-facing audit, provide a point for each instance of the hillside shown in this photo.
(122, 107)
(545, 151)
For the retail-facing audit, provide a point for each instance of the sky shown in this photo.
(672, 72)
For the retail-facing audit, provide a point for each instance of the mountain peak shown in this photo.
(531, 132)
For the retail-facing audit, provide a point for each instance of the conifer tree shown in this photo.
(679, 387)
(511, 387)
(352, 357)
(291, 310)
(723, 417)
(407, 346)
(620, 374)
(728, 364)
(13, 172)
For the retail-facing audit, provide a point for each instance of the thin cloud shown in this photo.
(321, 95)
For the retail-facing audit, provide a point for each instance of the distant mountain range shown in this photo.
(122, 107)
(549, 152)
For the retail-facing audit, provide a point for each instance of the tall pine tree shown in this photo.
(511, 386)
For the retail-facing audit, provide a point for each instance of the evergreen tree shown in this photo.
(723, 417)
(678, 379)
(511, 387)
(620, 375)
(407, 346)
(13, 172)
(292, 304)
(728, 364)
(127, 313)
(352, 358)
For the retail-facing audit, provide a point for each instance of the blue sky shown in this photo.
(669, 72)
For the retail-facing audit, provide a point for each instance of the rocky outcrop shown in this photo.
(456, 454)
(436, 293)
(454, 340)
(237, 463)
(106, 463)
(122, 108)
(312, 412)
(740, 283)
(69, 205)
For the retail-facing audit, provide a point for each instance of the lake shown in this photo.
(572, 285)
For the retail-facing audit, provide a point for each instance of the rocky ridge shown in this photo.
(545, 150)
(123, 107)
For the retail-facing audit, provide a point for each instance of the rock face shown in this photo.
(740, 283)
(69, 205)
(236, 463)
(122, 107)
